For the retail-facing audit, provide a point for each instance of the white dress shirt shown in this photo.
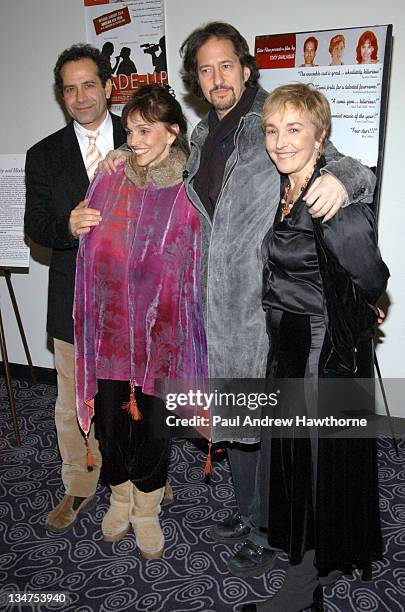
(105, 140)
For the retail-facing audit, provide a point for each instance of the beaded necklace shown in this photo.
(286, 203)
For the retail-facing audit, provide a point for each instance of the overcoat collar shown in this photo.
(201, 130)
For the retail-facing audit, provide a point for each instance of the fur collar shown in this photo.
(167, 173)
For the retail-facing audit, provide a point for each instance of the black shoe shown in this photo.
(330, 578)
(251, 560)
(316, 606)
(230, 531)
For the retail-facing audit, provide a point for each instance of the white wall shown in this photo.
(33, 32)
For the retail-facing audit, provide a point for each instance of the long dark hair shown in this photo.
(215, 29)
(155, 103)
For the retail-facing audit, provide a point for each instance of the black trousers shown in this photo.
(130, 449)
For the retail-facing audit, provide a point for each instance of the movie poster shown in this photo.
(131, 34)
(351, 67)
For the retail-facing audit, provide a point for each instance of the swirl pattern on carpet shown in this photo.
(192, 575)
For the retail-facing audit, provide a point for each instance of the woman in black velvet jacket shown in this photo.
(321, 283)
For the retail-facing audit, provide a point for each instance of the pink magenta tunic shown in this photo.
(137, 309)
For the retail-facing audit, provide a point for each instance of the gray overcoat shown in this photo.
(232, 265)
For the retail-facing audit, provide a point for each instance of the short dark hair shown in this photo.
(155, 103)
(107, 48)
(312, 39)
(215, 29)
(76, 53)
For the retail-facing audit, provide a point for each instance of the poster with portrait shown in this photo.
(131, 34)
(351, 67)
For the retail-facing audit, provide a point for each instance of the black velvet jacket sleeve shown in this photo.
(351, 238)
(353, 277)
(44, 222)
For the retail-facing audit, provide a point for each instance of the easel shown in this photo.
(7, 275)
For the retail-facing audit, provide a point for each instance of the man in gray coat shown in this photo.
(236, 188)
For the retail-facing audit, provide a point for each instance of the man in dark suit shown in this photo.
(58, 170)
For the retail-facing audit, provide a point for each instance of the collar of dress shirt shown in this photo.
(105, 140)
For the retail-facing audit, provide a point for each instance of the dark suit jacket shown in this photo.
(57, 181)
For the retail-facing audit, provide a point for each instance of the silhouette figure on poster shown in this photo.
(107, 50)
(126, 65)
(158, 61)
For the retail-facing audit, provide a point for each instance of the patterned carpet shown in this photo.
(192, 574)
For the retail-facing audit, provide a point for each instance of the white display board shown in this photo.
(14, 253)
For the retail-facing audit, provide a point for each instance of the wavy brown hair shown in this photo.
(215, 29)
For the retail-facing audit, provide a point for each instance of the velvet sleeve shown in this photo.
(351, 236)
(41, 223)
(358, 180)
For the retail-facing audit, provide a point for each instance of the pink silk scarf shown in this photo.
(137, 307)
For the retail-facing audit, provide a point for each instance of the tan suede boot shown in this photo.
(65, 513)
(115, 523)
(168, 496)
(144, 517)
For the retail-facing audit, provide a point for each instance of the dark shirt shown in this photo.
(292, 280)
(217, 149)
(228, 143)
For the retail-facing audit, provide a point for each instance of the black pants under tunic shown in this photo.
(131, 450)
